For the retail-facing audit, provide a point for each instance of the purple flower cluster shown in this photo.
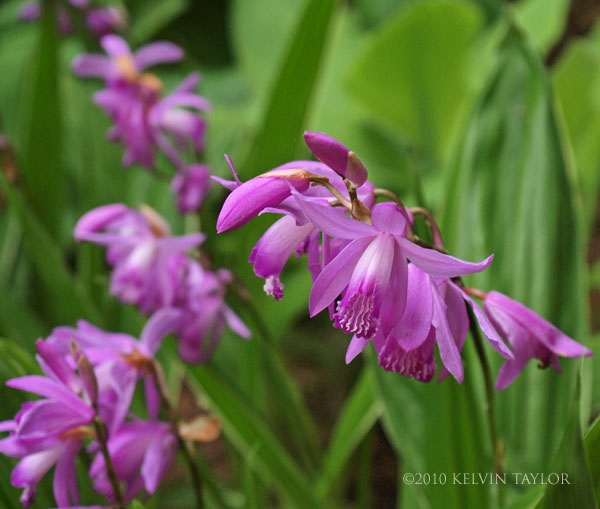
(152, 271)
(89, 378)
(145, 121)
(99, 20)
(374, 276)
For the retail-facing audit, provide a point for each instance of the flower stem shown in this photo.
(497, 446)
(435, 230)
(102, 436)
(158, 379)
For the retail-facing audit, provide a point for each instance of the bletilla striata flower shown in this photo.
(50, 432)
(146, 258)
(530, 336)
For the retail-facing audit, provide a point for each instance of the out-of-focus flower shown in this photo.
(191, 187)
(141, 452)
(49, 431)
(205, 313)
(105, 21)
(529, 335)
(146, 258)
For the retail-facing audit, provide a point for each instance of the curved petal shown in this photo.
(157, 53)
(438, 264)
(50, 389)
(247, 200)
(333, 220)
(448, 350)
(97, 219)
(163, 322)
(488, 329)
(387, 217)
(65, 479)
(335, 276)
(546, 333)
(115, 46)
(412, 329)
(356, 346)
(337, 156)
(234, 322)
(277, 244)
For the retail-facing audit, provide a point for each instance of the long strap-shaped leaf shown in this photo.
(283, 121)
(249, 432)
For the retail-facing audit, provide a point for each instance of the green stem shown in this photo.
(497, 446)
(157, 378)
(102, 436)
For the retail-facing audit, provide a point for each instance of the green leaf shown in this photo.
(578, 488)
(592, 447)
(510, 193)
(543, 20)
(361, 411)
(150, 16)
(283, 121)
(249, 432)
(411, 75)
(39, 144)
(65, 297)
(576, 80)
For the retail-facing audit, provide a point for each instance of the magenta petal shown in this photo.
(92, 66)
(387, 217)
(488, 329)
(438, 264)
(65, 479)
(115, 46)
(189, 83)
(157, 459)
(182, 243)
(356, 346)
(51, 389)
(336, 156)
(277, 244)
(335, 275)
(247, 200)
(546, 333)
(97, 219)
(333, 220)
(414, 325)
(163, 322)
(234, 322)
(157, 53)
(448, 350)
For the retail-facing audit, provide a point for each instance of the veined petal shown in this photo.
(157, 53)
(335, 275)
(333, 220)
(438, 264)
